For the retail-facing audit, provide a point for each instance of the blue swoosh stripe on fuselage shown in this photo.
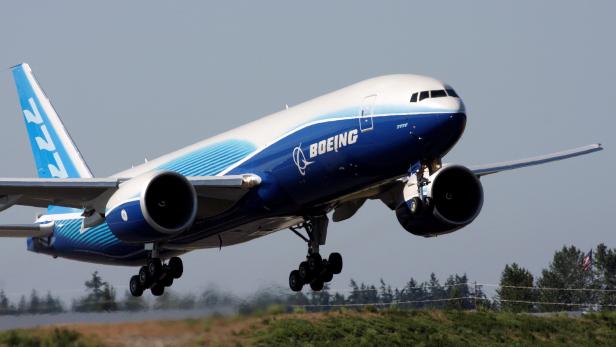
(211, 159)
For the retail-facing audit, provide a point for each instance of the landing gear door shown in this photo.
(367, 111)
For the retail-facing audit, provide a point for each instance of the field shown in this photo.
(343, 328)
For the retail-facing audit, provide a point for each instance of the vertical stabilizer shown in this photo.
(55, 153)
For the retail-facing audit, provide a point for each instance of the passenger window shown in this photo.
(451, 92)
(423, 95)
(414, 97)
(438, 93)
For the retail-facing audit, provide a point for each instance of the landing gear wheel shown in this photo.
(167, 281)
(415, 205)
(155, 268)
(176, 266)
(316, 285)
(157, 289)
(295, 282)
(144, 277)
(135, 286)
(335, 263)
(304, 272)
(314, 263)
(327, 276)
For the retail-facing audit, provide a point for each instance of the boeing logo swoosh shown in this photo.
(300, 160)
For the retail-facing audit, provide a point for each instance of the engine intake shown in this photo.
(452, 200)
(152, 207)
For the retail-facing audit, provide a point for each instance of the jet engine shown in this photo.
(450, 199)
(152, 207)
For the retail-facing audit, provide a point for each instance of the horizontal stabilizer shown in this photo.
(26, 230)
(482, 170)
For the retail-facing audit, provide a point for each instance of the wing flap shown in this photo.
(482, 170)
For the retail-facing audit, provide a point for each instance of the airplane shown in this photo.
(382, 138)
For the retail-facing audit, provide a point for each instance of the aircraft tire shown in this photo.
(155, 268)
(295, 282)
(327, 276)
(335, 263)
(176, 266)
(317, 285)
(167, 281)
(157, 289)
(135, 286)
(314, 263)
(144, 277)
(304, 272)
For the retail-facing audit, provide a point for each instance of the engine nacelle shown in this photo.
(451, 200)
(152, 207)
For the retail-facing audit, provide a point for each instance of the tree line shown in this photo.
(573, 280)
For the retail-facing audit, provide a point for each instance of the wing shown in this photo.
(42, 192)
(26, 230)
(82, 192)
(482, 170)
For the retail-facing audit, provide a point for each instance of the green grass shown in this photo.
(391, 327)
(56, 337)
(439, 328)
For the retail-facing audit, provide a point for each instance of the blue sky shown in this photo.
(139, 79)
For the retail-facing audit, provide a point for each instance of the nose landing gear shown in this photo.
(314, 271)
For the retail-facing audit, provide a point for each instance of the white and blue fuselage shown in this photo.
(308, 156)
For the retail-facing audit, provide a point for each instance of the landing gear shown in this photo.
(421, 204)
(156, 276)
(135, 287)
(315, 270)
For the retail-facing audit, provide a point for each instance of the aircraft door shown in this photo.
(367, 111)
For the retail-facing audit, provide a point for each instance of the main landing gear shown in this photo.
(315, 270)
(156, 275)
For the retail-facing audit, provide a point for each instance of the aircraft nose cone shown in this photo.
(449, 104)
(440, 132)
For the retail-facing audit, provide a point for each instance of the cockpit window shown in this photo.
(438, 93)
(451, 92)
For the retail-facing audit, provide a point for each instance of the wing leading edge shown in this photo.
(487, 169)
(81, 192)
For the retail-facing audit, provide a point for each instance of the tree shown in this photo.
(5, 305)
(435, 292)
(605, 272)
(385, 292)
(133, 303)
(51, 304)
(516, 284)
(107, 300)
(35, 303)
(321, 297)
(22, 307)
(214, 297)
(455, 293)
(100, 296)
(565, 271)
(457, 289)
